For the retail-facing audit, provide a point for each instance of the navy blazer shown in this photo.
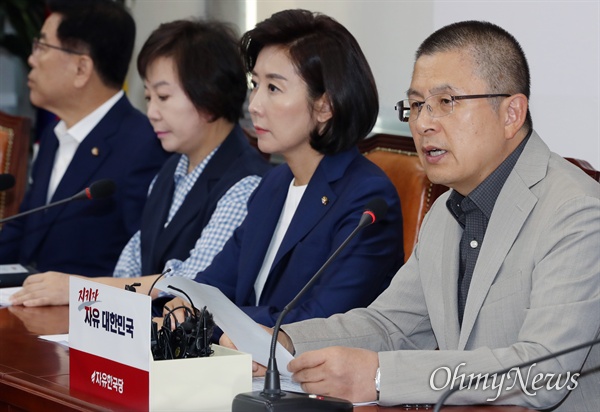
(86, 237)
(330, 209)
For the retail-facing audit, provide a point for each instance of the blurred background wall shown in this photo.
(561, 40)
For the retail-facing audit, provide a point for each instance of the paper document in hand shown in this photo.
(247, 335)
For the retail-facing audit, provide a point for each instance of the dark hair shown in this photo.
(103, 29)
(329, 60)
(208, 64)
(498, 56)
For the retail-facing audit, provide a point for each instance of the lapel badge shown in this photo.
(324, 200)
(95, 151)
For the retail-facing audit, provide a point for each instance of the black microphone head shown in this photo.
(7, 181)
(101, 189)
(378, 208)
(97, 190)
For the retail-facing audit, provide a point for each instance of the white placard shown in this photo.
(109, 322)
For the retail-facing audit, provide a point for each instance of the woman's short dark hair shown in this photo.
(208, 64)
(104, 29)
(329, 60)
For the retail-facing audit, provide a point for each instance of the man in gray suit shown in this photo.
(507, 266)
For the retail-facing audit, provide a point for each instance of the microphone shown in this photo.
(100, 189)
(453, 389)
(7, 181)
(272, 398)
(97, 190)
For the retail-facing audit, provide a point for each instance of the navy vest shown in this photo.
(234, 160)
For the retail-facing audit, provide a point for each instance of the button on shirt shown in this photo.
(473, 213)
(70, 139)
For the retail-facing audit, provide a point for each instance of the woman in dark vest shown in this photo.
(195, 85)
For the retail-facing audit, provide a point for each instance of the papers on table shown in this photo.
(287, 384)
(62, 339)
(5, 294)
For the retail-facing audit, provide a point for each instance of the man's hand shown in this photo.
(346, 373)
(43, 289)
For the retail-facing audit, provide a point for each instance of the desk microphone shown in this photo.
(7, 181)
(552, 355)
(272, 398)
(97, 190)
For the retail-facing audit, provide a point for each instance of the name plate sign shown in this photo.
(109, 339)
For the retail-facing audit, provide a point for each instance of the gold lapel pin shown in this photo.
(324, 200)
(95, 151)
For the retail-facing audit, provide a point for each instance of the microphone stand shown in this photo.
(272, 398)
(272, 380)
(97, 190)
(37, 209)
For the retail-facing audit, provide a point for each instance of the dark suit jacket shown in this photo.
(328, 212)
(86, 237)
(234, 161)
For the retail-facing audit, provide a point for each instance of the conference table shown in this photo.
(34, 373)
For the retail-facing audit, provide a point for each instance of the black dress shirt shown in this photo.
(473, 213)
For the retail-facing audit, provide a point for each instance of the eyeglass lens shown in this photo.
(437, 105)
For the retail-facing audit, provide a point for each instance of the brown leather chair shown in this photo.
(397, 157)
(14, 157)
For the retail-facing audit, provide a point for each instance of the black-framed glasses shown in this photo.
(438, 105)
(38, 45)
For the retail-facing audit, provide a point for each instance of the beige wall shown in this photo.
(561, 39)
(148, 15)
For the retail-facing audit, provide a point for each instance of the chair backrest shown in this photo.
(586, 167)
(14, 157)
(397, 157)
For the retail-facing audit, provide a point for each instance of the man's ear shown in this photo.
(514, 109)
(85, 70)
(323, 109)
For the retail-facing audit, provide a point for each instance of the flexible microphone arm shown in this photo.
(272, 381)
(97, 190)
(374, 210)
(450, 391)
(272, 398)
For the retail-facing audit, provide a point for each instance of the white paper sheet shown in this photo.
(62, 339)
(286, 382)
(247, 335)
(6, 293)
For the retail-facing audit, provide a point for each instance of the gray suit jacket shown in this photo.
(535, 290)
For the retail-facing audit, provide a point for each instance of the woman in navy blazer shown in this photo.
(313, 98)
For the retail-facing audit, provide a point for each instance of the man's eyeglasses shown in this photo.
(38, 45)
(438, 105)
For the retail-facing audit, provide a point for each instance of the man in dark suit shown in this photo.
(79, 65)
